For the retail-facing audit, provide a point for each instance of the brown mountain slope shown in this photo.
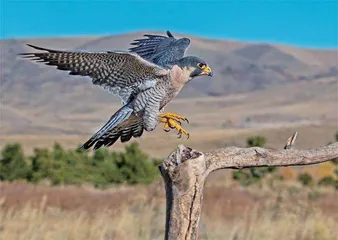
(40, 99)
(238, 67)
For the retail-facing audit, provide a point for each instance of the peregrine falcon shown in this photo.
(146, 78)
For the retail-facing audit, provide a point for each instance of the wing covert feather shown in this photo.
(112, 70)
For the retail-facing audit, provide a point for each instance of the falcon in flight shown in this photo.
(146, 78)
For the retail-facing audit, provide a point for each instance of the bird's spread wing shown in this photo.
(160, 50)
(119, 72)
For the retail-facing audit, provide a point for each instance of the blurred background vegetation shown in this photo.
(104, 168)
(251, 176)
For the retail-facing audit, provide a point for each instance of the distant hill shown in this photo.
(239, 68)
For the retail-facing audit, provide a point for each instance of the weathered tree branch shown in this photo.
(185, 171)
(238, 158)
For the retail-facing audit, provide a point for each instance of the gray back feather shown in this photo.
(160, 50)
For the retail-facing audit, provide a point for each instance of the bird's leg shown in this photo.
(172, 120)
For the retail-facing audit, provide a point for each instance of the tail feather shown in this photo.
(120, 116)
(133, 127)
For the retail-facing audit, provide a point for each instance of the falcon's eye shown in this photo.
(201, 65)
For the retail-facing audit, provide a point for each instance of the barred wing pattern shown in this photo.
(160, 50)
(119, 72)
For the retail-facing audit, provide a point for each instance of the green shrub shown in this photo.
(336, 172)
(244, 177)
(257, 141)
(135, 166)
(335, 161)
(41, 164)
(61, 166)
(255, 174)
(326, 181)
(13, 165)
(305, 179)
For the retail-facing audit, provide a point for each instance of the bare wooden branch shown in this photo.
(185, 171)
(291, 141)
(238, 158)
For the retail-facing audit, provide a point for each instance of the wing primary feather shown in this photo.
(141, 49)
(111, 141)
(151, 36)
(43, 49)
(169, 34)
(126, 135)
(98, 145)
(160, 50)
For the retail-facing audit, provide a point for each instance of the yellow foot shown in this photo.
(172, 121)
(173, 116)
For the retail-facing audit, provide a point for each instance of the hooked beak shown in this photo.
(207, 71)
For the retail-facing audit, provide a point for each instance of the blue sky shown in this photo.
(298, 22)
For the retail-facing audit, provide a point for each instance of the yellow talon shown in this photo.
(166, 127)
(172, 121)
(173, 116)
(166, 124)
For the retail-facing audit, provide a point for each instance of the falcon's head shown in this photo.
(195, 66)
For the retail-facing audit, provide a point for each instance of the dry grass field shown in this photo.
(282, 211)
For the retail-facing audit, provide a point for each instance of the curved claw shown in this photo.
(173, 121)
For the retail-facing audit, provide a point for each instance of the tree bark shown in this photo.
(185, 171)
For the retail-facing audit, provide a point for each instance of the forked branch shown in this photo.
(185, 171)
